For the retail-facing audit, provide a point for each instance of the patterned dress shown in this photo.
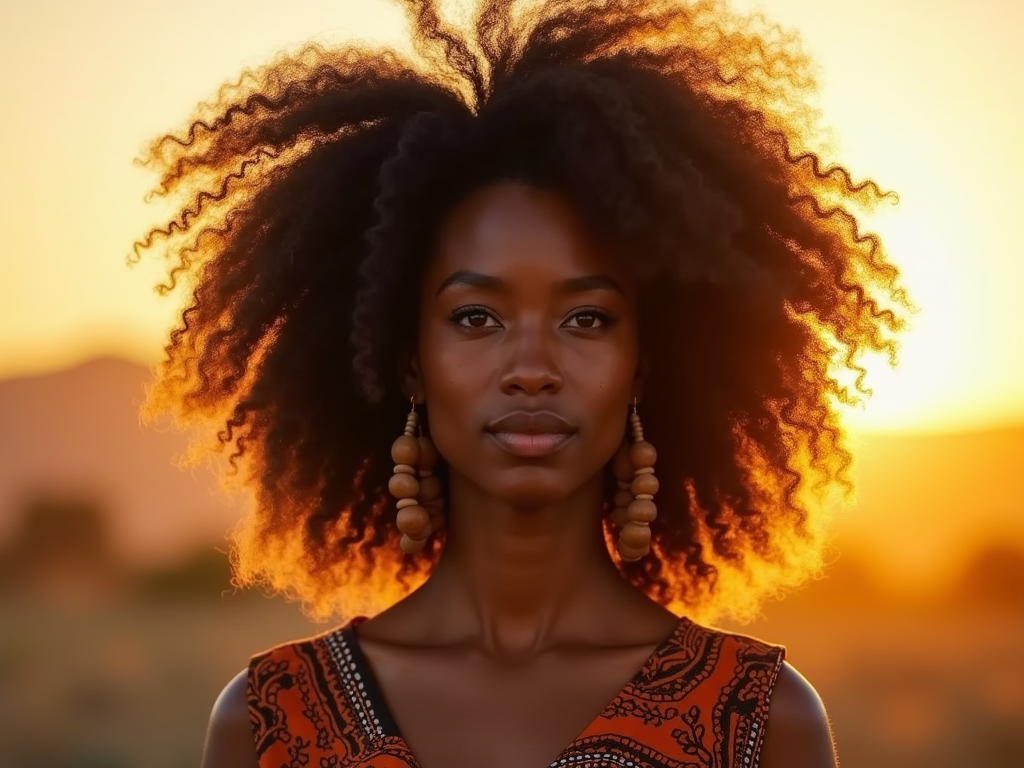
(700, 701)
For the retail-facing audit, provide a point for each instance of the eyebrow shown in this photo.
(491, 283)
(474, 280)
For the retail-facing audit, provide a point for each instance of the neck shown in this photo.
(514, 577)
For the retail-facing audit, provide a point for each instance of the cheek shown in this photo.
(455, 383)
(604, 385)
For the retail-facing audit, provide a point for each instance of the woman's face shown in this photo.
(528, 347)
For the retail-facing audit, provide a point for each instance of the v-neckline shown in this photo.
(374, 701)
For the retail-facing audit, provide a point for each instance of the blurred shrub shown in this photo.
(61, 538)
(206, 574)
(994, 578)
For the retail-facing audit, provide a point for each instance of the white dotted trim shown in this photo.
(752, 757)
(600, 758)
(352, 680)
(755, 728)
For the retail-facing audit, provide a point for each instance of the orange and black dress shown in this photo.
(700, 700)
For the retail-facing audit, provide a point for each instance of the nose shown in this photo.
(530, 367)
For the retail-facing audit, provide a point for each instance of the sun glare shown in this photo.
(936, 385)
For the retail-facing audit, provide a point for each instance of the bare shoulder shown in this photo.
(797, 734)
(229, 738)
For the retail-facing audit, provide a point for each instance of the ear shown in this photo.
(411, 378)
(640, 381)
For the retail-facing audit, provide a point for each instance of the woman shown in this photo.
(585, 253)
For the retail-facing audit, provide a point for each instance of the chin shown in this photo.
(531, 487)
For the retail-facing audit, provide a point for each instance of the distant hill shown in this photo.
(76, 434)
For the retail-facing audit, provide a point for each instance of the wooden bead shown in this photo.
(644, 483)
(635, 535)
(403, 486)
(622, 498)
(410, 502)
(622, 467)
(405, 450)
(411, 546)
(414, 522)
(632, 554)
(642, 511)
(642, 454)
(428, 453)
(404, 469)
(430, 488)
(619, 516)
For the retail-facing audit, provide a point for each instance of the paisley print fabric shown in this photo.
(700, 701)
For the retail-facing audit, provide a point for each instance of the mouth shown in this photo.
(530, 446)
(531, 434)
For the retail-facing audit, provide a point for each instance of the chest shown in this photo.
(457, 711)
(700, 701)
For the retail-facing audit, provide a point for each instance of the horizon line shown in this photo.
(1012, 424)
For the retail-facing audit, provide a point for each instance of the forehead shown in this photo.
(518, 232)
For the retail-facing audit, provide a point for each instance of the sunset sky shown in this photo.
(928, 103)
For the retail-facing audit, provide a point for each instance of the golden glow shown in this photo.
(957, 369)
(921, 101)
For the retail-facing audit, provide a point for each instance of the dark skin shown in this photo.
(522, 311)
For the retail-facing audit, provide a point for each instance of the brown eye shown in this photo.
(472, 317)
(588, 320)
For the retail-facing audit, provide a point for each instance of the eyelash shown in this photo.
(605, 319)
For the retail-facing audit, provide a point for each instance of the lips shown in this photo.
(531, 434)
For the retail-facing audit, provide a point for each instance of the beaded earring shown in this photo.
(419, 500)
(633, 506)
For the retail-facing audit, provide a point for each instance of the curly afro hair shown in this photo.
(307, 197)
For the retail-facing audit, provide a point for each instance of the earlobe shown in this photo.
(412, 381)
(641, 379)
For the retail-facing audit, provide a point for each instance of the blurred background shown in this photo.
(117, 624)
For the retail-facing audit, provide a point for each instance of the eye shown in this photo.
(588, 319)
(475, 318)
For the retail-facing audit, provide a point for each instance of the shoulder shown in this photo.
(797, 734)
(229, 738)
(794, 727)
(755, 708)
(250, 710)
